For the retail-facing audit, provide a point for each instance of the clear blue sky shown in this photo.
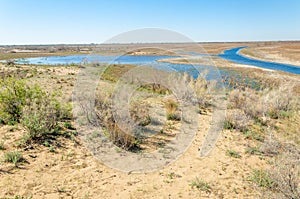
(92, 21)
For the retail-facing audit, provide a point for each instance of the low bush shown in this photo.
(38, 111)
(200, 184)
(125, 140)
(233, 154)
(253, 135)
(236, 119)
(41, 116)
(155, 88)
(270, 147)
(274, 103)
(282, 179)
(262, 179)
(13, 97)
(14, 157)
(139, 112)
(280, 101)
(248, 101)
(10, 63)
(172, 110)
(228, 125)
(285, 175)
(2, 145)
(253, 151)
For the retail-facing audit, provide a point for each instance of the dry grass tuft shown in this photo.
(172, 110)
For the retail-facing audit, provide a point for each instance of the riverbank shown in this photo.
(280, 52)
(209, 61)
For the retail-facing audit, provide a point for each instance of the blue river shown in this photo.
(234, 56)
(230, 55)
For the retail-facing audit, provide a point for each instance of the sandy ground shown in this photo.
(210, 61)
(72, 172)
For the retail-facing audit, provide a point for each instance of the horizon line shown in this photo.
(140, 43)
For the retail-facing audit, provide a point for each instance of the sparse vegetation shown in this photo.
(41, 117)
(282, 180)
(253, 135)
(259, 104)
(13, 97)
(116, 135)
(233, 154)
(285, 174)
(253, 151)
(38, 111)
(10, 63)
(2, 145)
(200, 184)
(172, 110)
(236, 119)
(139, 111)
(68, 125)
(14, 157)
(262, 179)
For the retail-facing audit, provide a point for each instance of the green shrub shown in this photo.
(65, 111)
(253, 151)
(68, 125)
(38, 111)
(41, 116)
(2, 145)
(228, 125)
(13, 157)
(233, 154)
(13, 95)
(250, 134)
(262, 179)
(51, 148)
(173, 116)
(200, 184)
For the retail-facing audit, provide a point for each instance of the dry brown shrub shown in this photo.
(105, 118)
(172, 110)
(139, 111)
(260, 104)
(238, 119)
(280, 100)
(249, 101)
(285, 175)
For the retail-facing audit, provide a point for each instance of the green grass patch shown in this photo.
(2, 145)
(253, 151)
(114, 72)
(233, 154)
(253, 135)
(200, 184)
(14, 157)
(228, 125)
(262, 179)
